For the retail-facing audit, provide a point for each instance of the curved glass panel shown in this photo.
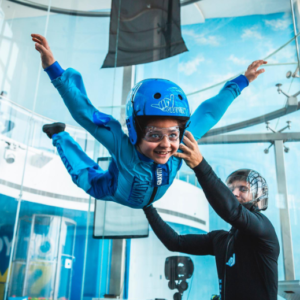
(57, 241)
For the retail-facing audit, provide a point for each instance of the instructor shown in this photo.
(247, 255)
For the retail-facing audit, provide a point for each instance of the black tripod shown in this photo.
(177, 270)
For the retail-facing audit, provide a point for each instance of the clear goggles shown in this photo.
(156, 134)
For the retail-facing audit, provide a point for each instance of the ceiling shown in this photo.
(192, 13)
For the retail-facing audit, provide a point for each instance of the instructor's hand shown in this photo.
(191, 153)
(252, 72)
(41, 45)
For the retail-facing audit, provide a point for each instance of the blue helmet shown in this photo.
(155, 97)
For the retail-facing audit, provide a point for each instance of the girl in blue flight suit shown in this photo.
(157, 110)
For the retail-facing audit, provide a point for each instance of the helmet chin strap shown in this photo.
(251, 205)
(135, 117)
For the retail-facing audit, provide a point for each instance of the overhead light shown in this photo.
(3, 94)
(9, 153)
(9, 156)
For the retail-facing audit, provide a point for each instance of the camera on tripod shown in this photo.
(177, 270)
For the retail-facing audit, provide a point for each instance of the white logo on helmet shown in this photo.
(168, 105)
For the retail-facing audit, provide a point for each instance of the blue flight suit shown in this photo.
(132, 179)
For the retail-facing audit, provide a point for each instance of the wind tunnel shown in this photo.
(56, 242)
(43, 259)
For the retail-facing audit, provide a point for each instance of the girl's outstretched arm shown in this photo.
(69, 84)
(209, 112)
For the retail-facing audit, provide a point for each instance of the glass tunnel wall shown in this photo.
(48, 244)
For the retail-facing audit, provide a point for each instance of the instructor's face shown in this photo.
(241, 190)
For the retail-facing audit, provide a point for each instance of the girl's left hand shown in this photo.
(252, 72)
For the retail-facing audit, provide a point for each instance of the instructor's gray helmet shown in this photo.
(258, 188)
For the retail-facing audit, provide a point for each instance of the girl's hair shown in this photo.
(141, 122)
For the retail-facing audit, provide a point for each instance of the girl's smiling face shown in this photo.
(160, 151)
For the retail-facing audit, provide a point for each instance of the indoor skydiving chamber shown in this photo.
(47, 221)
(42, 262)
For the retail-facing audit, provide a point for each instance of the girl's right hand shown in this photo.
(41, 45)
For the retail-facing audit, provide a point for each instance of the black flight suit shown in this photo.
(246, 256)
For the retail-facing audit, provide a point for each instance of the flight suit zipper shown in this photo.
(226, 254)
(155, 187)
(152, 196)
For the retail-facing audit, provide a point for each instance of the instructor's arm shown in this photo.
(217, 193)
(197, 244)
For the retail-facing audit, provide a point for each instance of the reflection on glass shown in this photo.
(45, 266)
